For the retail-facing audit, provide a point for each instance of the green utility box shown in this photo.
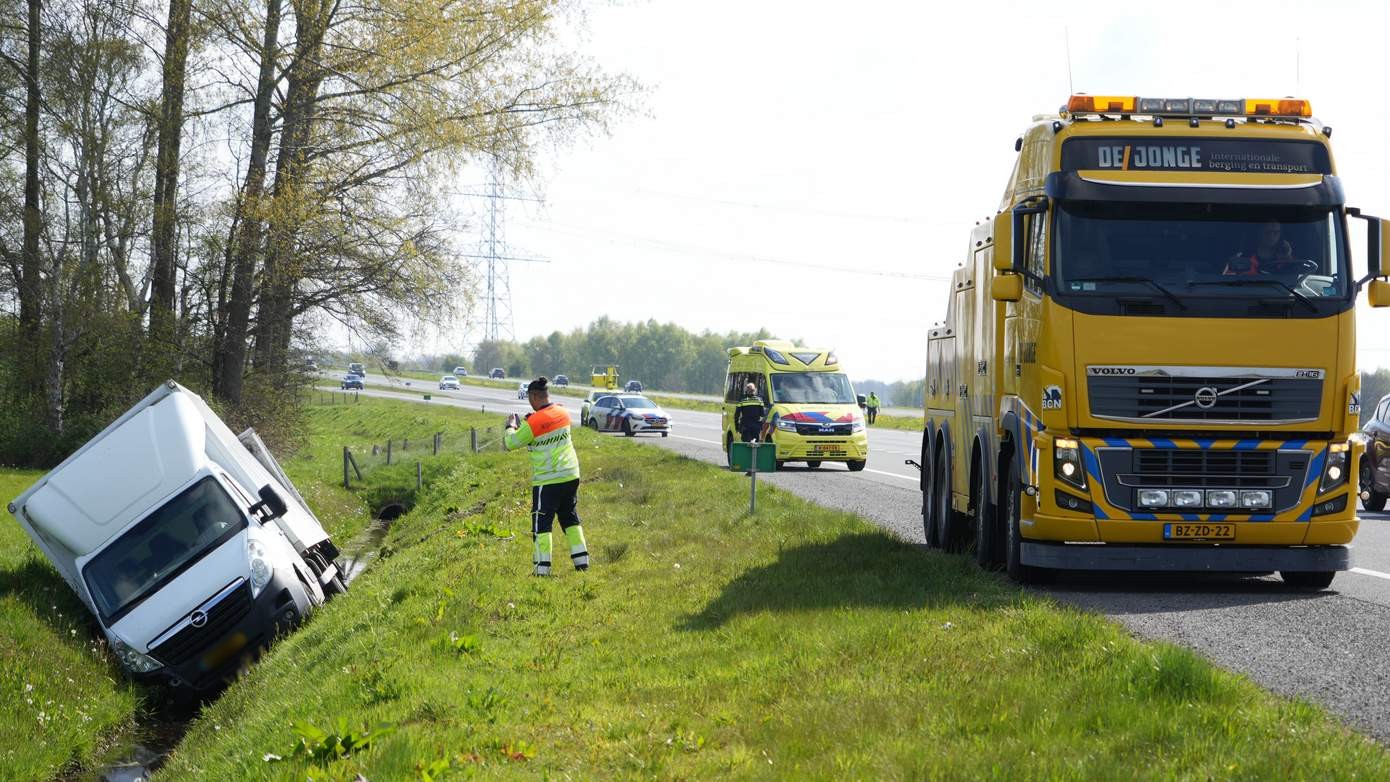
(741, 456)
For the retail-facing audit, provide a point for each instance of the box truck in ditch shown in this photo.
(187, 542)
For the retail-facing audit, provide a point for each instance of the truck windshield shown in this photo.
(822, 388)
(162, 545)
(1206, 251)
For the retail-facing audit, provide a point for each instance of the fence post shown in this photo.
(355, 468)
(419, 477)
(388, 450)
(473, 438)
(436, 442)
(347, 484)
(405, 444)
(357, 397)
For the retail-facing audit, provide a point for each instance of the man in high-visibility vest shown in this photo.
(554, 474)
(871, 406)
(749, 414)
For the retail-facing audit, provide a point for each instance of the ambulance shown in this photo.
(812, 406)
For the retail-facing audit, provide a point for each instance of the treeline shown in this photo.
(189, 188)
(899, 393)
(662, 355)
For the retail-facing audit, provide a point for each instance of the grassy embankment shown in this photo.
(62, 698)
(799, 643)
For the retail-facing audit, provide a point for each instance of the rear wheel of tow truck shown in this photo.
(1371, 499)
(855, 465)
(813, 464)
(1308, 580)
(1010, 499)
(929, 485)
(986, 524)
(949, 525)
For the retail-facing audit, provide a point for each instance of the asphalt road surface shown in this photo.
(1328, 647)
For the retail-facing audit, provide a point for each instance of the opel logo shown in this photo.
(198, 619)
(1205, 397)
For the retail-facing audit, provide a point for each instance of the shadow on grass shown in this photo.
(863, 570)
(36, 584)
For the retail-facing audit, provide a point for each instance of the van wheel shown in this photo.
(336, 586)
(949, 530)
(813, 464)
(855, 465)
(1374, 501)
(1311, 581)
(986, 526)
(1010, 499)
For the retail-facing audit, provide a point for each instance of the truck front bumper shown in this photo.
(1185, 558)
(201, 663)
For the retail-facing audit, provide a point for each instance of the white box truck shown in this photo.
(188, 543)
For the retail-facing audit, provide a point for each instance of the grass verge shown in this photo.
(798, 643)
(62, 698)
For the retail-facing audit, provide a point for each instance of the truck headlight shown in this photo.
(134, 661)
(1067, 466)
(1334, 470)
(1153, 498)
(260, 566)
(1256, 499)
(1187, 498)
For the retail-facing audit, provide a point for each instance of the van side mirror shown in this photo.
(1006, 287)
(272, 505)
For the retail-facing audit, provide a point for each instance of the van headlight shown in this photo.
(261, 570)
(857, 426)
(1334, 470)
(133, 661)
(785, 425)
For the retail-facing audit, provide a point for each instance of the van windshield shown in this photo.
(818, 388)
(162, 545)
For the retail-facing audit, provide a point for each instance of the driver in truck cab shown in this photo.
(1272, 255)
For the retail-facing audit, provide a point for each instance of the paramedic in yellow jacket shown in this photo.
(554, 474)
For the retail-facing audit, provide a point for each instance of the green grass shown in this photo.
(62, 698)
(705, 643)
(900, 422)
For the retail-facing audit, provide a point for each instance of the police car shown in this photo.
(627, 413)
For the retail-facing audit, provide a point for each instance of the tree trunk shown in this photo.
(164, 239)
(276, 314)
(229, 365)
(30, 292)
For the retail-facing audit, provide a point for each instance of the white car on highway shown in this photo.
(448, 383)
(521, 390)
(629, 414)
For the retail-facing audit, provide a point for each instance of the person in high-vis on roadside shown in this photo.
(545, 433)
(871, 407)
(749, 414)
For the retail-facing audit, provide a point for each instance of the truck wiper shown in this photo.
(1142, 280)
(1236, 282)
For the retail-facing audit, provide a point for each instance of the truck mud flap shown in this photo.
(1213, 559)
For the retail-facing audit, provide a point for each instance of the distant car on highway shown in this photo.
(448, 383)
(351, 381)
(633, 387)
(1375, 465)
(461, 371)
(356, 368)
(497, 374)
(521, 391)
(561, 380)
(588, 403)
(629, 414)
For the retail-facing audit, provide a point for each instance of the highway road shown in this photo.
(1328, 647)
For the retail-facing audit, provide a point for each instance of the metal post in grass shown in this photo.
(437, 435)
(753, 460)
(473, 438)
(388, 450)
(353, 461)
(419, 477)
(405, 444)
(347, 484)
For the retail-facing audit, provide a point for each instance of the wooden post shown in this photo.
(347, 484)
(437, 436)
(405, 444)
(353, 461)
(388, 451)
(473, 438)
(419, 477)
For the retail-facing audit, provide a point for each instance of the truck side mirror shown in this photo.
(1006, 287)
(1003, 231)
(271, 503)
(1377, 245)
(1378, 294)
(1019, 236)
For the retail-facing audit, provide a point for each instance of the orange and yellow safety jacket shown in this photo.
(546, 435)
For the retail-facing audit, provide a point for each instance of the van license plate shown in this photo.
(1199, 531)
(223, 652)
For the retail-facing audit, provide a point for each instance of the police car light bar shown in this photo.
(1190, 107)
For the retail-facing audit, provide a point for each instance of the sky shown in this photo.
(815, 168)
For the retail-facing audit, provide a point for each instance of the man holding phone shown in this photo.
(554, 474)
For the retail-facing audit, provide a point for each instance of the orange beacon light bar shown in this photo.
(1188, 107)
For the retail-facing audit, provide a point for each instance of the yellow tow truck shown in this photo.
(1148, 358)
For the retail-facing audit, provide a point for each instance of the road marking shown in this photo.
(893, 475)
(697, 440)
(1375, 573)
